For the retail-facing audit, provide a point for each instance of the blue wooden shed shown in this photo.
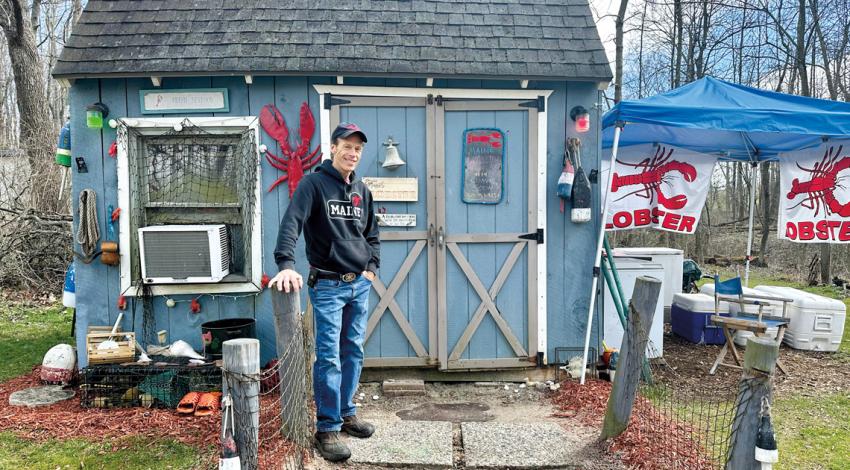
(480, 268)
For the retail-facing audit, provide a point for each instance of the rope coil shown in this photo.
(88, 232)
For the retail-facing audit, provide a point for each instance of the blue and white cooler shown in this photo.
(690, 318)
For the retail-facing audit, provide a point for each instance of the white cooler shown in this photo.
(817, 322)
(775, 308)
(629, 270)
(670, 258)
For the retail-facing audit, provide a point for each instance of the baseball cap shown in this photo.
(345, 129)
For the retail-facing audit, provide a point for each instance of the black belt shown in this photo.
(346, 277)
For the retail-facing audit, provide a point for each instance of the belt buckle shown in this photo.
(348, 277)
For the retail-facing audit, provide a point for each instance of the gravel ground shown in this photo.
(520, 404)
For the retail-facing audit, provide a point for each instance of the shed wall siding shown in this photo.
(570, 246)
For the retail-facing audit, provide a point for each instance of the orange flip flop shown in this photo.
(208, 404)
(188, 403)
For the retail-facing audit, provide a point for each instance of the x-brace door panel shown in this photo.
(401, 329)
(486, 258)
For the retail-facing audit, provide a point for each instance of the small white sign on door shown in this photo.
(393, 189)
(396, 220)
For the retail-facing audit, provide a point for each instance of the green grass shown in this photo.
(813, 432)
(124, 453)
(26, 333)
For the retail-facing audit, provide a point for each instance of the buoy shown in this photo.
(766, 450)
(69, 297)
(63, 147)
(58, 364)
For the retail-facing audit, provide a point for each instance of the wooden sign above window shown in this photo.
(183, 101)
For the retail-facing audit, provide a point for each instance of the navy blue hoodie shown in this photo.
(338, 222)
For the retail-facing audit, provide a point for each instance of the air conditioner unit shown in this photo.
(184, 254)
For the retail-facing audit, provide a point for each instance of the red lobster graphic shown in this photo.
(654, 172)
(820, 189)
(294, 162)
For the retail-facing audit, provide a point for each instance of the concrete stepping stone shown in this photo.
(518, 445)
(40, 396)
(416, 444)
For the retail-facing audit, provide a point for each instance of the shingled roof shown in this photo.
(522, 39)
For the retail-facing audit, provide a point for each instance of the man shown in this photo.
(335, 211)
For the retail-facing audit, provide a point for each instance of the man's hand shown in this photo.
(369, 275)
(286, 280)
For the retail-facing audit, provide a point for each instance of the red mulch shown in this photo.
(68, 420)
(651, 441)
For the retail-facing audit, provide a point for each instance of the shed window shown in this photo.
(194, 174)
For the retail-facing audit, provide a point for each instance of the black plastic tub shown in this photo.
(214, 333)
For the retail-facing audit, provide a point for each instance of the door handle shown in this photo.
(432, 235)
(441, 238)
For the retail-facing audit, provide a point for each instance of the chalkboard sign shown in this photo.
(483, 163)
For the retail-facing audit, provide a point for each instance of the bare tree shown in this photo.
(30, 93)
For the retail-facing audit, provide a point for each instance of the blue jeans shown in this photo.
(341, 311)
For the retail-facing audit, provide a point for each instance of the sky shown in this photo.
(606, 25)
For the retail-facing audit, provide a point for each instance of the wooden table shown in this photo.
(746, 323)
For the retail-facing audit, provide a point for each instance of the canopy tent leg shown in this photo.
(754, 173)
(598, 259)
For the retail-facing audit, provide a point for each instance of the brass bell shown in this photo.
(391, 157)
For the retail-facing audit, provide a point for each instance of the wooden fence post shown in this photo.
(632, 353)
(241, 358)
(294, 361)
(755, 385)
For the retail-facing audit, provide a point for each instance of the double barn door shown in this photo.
(459, 287)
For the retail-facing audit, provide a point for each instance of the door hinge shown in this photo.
(430, 98)
(537, 236)
(331, 101)
(439, 99)
(539, 103)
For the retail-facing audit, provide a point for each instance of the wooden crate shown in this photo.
(126, 351)
(101, 328)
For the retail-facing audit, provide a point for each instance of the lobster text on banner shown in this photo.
(658, 186)
(814, 204)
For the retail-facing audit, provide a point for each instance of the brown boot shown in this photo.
(354, 426)
(331, 447)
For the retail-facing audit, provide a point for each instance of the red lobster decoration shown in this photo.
(294, 162)
(654, 172)
(821, 188)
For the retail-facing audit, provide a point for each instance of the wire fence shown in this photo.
(692, 425)
(273, 408)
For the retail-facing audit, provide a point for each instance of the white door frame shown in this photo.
(471, 94)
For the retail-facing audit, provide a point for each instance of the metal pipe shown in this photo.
(754, 169)
(623, 301)
(598, 256)
(615, 296)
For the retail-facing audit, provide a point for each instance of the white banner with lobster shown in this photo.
(814, 200)
(658, 186)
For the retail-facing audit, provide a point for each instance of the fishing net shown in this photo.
(190, 174)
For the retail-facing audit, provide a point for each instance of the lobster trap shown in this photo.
(151, 386)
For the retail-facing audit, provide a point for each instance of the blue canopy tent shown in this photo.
(733, 122)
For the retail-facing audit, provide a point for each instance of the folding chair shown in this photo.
(732, 291)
